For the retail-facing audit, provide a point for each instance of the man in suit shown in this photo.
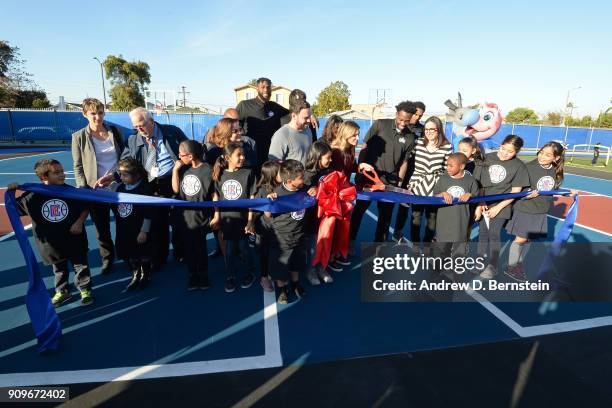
(156, 147)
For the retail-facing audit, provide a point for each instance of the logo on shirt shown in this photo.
(545, 183)
(468, 172)
(270, 114)
(298, 215)
(456, 191)
(497, 173)
(191, 185)
(55, 210)
(402, 140)
(232, 190)
(124, 210)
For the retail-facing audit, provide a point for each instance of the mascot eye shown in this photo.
(488, 116)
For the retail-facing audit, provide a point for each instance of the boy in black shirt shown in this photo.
(58, 229)
(288, 233)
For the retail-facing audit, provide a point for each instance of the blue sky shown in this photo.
(519, 53)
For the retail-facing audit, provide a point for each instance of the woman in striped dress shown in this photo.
(431, 153)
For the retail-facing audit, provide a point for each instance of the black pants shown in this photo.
(385, 212)
(400, 219)
(196, 251)
(418, 213)
(490, 237)
(356, 216)
(100, 215)
(82, 276)
(166, 218)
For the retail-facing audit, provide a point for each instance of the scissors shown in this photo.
(378, 185)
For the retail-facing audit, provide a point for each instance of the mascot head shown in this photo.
(489, 122)
(480, 123)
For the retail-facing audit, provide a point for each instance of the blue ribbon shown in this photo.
(44, 319)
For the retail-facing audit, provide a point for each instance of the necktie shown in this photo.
(151, 159)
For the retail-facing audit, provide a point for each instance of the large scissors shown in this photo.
(378, 185)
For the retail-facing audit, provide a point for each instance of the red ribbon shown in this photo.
(335, 197)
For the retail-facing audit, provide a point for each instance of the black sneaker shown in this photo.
(342, 260)
(230, 285)
(107, 266)
(298, 290)
(204, 283)
(194, 283)
(334, 266)
(247, 281)
(283, 296)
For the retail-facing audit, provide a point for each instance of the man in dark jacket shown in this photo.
(156, 147)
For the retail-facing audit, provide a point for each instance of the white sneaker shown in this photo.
(489, 272)
(325, 276)
(312, 278)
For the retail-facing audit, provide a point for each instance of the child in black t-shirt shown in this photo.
(59, 232)
(318, 165)
(471, 149)
(269, 180)
(192, 181)
(452, 222)
(529, 214)
(133, 240)
(288, 235)
(501, 172)
(233, 182)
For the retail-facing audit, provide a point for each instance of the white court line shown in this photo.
(34, 155)
(542, 329)
(594, 178)
(583, 226)
(10, 234)
(271, 358)
(539, 330)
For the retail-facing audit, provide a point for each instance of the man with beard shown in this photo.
(389, 147)
(260, 118)
(293, 140)
(297, 95)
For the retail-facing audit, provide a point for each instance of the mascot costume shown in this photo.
(480, 123)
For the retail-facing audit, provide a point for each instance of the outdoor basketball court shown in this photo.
(165, 331)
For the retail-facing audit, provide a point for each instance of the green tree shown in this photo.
(17, 89)
(553, 118)
(126, 97)
(522, 115)
(604, 120)
(253, 82)
(41, 103)
(332, 98)
(128, 79)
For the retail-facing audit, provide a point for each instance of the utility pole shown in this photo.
(102, 75)
(184, 97)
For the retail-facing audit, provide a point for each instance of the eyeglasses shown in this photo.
(431, 130)
(183, 154)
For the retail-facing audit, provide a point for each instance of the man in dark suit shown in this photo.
(156, 147)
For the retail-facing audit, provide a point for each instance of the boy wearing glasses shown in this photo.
(59, 232)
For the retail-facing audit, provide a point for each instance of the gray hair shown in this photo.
(140, 111)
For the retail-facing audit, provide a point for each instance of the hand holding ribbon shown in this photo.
(335, 198)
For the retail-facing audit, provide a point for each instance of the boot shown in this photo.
(145, 274)
(134, 283)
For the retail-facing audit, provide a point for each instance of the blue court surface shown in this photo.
(165, 331)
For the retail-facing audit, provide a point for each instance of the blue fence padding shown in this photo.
(52, 126)
(5, 127)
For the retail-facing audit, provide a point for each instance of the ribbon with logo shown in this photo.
(335, 197)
